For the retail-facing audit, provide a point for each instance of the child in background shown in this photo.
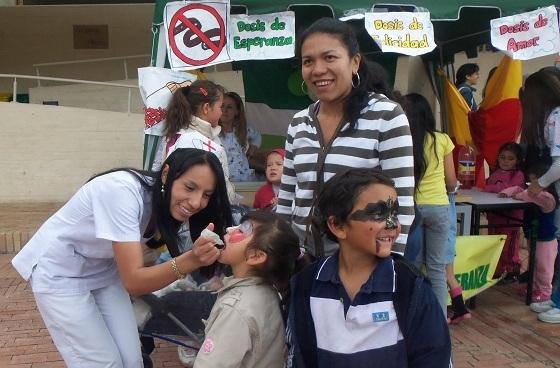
(507, 174)
(192, 122)
(364, 306)
(246, 328)
(540, 101)
(467, 76)
(239, 138)
(267, 195)
(458, 308)
(434, 175)
(547, 245)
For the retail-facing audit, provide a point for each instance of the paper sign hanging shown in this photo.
(401, 32)
(528, 35)
(259, 37)
(196, 33)
(157, 86)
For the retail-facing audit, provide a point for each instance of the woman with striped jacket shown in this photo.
(352, 125)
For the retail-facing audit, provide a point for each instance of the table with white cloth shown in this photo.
(484, 202)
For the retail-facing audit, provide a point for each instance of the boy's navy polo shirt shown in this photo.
(356, 333)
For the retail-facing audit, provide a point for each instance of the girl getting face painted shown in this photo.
(239, 233)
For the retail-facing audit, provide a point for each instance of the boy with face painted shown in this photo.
(364, 306)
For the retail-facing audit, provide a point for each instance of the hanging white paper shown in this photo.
(528, 35)
(401, 32)
(157, 85)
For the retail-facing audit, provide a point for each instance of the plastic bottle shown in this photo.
(466, 170)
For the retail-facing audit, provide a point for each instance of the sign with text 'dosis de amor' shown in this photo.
(528, 35)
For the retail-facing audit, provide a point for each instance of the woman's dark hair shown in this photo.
(368, 82)
(186, 101)
(276, 238)
(379, 79)
(514, 148)
(217, 211)
(339, 195)
(539, 96)
(422, 123)
(464, 71)
(240, 122)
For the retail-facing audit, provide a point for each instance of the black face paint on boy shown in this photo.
(380, 211)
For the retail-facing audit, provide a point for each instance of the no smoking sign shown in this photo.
(196, 34)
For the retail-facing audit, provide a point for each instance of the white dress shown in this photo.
(236, 154)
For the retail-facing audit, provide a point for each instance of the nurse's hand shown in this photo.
(204, 251)
(534, 188)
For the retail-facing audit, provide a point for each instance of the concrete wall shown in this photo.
(486, 60)
(44, 34)
(116, 98)
(91, 96)
(48, 152)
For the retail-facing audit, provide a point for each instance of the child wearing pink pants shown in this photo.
(547, 245)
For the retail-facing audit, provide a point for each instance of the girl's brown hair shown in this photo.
(539, 96)
(240, 122)
(186, 101)
(514, 148)
(276, 238)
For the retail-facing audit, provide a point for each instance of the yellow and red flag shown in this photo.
(498, 119)
(457, 111)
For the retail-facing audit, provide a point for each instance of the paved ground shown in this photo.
(502, 334)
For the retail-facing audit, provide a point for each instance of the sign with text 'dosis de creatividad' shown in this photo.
(528, 35)
(196, 33)
(401, 32)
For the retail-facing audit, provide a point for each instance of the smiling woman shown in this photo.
(352, 125)
(87, 258)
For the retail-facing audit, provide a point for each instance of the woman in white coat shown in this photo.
(86, 259)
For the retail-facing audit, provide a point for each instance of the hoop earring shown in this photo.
(358, 82)
(304, 90)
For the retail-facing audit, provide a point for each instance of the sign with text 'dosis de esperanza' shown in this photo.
(261, 37)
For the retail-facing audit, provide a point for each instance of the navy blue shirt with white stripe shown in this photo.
(353, 333)
(327, 329)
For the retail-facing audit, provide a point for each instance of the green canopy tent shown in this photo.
(458, 26)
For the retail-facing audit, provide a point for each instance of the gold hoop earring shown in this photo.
(304, 90)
